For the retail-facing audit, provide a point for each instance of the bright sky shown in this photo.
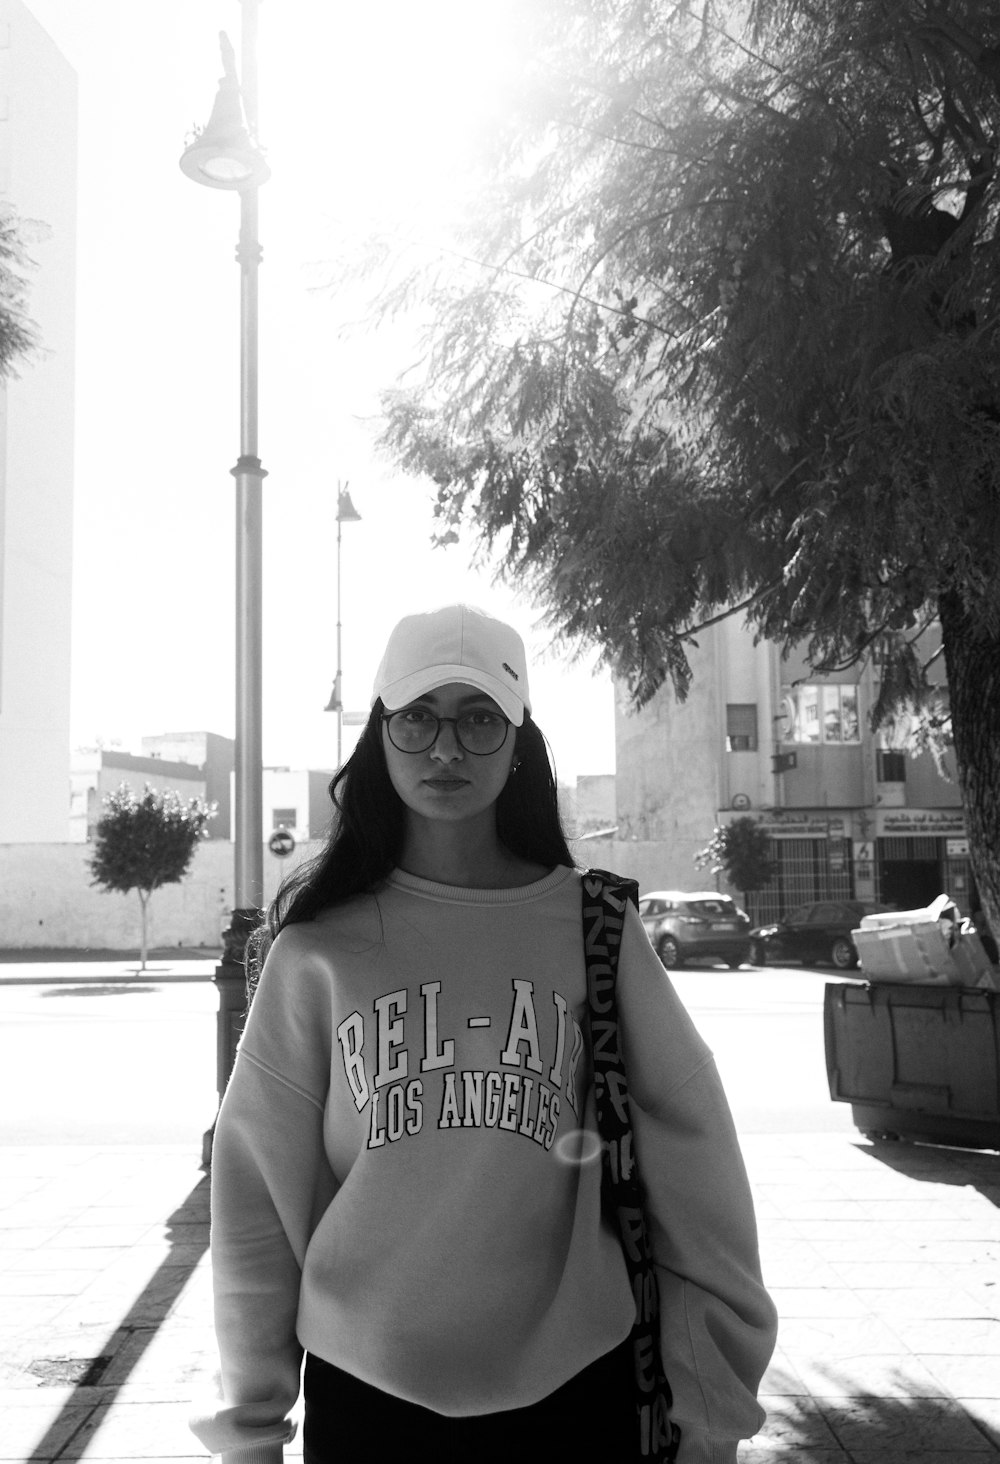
(363, 111)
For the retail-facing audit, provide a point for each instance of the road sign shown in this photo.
(281, 842)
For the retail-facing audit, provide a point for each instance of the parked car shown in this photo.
(701, 923)
(813, 934)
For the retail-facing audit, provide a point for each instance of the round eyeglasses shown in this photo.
(416, 730)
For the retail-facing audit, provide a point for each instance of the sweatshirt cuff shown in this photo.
(699, 1447)
(272, 1453)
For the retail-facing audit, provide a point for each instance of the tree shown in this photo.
(17, 334)
(726, 341)
(143, 843)
(742, 851)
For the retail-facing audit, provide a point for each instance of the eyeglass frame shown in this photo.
(416, 751)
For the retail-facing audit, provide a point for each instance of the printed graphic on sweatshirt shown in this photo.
(532, 1085)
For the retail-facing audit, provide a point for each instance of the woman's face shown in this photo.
(446, 783)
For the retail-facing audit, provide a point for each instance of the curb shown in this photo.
(115, 978)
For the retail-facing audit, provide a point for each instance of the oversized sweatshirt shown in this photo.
(406, 1172)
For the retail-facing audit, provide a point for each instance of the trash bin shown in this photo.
(916, 1061)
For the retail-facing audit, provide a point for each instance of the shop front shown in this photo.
(921, 853)
(902, 857)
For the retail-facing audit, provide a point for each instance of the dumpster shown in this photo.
(916, 1061)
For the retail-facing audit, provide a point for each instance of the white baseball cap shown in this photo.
(454, 643)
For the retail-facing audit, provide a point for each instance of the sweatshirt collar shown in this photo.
(459, 895)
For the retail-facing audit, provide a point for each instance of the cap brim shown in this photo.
(409, 688)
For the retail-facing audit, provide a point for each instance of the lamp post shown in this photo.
(346, 514)
(225, 155)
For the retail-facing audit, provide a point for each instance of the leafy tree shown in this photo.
(742, 851)
(17, 334)
(142, 843)
(726, 341)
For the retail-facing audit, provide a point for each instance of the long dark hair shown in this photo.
(366, 837)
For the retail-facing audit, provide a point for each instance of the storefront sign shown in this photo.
(799, 824)
(935, 823)
(956, 848)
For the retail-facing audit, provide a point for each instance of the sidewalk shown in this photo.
(32, 967)
(884, 1260)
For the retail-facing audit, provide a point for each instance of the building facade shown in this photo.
(215, 755)
(38, 136)
(96, 772)
(191, 764)
(296, 801)
(848, 812)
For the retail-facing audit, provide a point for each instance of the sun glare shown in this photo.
(375, 109)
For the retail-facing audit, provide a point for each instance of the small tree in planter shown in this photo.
(142, 843)
(742, 851)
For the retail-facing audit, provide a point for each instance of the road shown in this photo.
(766, 1030)
(135, 1064)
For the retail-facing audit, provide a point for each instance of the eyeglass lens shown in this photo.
(416, 730)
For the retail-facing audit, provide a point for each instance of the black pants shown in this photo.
(590, 1417)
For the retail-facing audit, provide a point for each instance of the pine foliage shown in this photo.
(726, 330)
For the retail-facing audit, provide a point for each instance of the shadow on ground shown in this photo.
(110, 988)
(127, 1342)
(849, 1426)
(940, 1164)
(47, 955)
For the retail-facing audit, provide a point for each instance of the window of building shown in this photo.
(741, 727)
(891, 766)
(820, 713)
(283, 818)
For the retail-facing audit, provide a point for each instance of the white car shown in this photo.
(685, 923)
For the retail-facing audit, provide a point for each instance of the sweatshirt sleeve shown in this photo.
(271, 1181)
(718, 1323)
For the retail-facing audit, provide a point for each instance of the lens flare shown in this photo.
(578, 1146)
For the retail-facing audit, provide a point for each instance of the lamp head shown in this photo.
(223, 155)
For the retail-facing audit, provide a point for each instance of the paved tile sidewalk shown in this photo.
(883, 1259)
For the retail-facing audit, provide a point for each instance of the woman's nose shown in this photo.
(446, 746)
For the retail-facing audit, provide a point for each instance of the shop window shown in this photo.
(820, 713)
(741, 727)
(891, 766)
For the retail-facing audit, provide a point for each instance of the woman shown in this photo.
(406, 1183)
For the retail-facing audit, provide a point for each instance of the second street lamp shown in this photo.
(346, 514)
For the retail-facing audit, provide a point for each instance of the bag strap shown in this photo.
(605, 900)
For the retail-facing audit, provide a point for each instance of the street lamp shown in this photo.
(225, 155)
(346, 514)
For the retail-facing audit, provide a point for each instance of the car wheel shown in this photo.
(669, 953)
(758, 954)
(842, 954)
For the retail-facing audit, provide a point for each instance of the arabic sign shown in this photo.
(935, 823)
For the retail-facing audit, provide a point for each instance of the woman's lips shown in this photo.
(446, 785)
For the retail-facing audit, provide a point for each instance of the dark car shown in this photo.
(703, 923)
(813, 934)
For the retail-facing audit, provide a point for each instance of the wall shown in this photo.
(38, 180)
(669, 758)
(47, 901)
(589, 806)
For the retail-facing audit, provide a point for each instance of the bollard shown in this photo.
(231, 983)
